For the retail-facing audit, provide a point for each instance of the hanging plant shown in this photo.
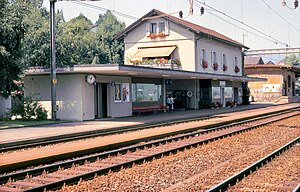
(204, 64)
(215, 66)
(225, 67)
(236, 69)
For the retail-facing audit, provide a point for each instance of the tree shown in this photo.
(36, 42)
(12, 29)
(108, 49)
(75, 41)
(292, 59)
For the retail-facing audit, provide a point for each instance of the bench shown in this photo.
(145, 109)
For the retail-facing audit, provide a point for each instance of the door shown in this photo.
(236, 94)
(101, 100)
(223, 96)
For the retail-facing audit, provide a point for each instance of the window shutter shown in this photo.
(167, 27)
(147, 29)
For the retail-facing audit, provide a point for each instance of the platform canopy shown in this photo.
(137, 71)
(162, 51)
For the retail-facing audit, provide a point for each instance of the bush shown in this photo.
(230, 104)
(28, 109)
(220, 105)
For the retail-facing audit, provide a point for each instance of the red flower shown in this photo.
(152, 35)
(236, 69)
(215, 66)
(204, 64)
(225, 67)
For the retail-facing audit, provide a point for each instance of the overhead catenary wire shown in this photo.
(243, 23)
(281, 16)
(104, 9)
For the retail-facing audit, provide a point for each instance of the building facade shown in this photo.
(164, 55)
(280, 84)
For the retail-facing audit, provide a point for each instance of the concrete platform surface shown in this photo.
(25, 133)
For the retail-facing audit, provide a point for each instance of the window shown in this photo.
(235, 61)
(223, 59)
(145, 92)
(161, 27)
(203, 54)
(153, 28)
(214, 57)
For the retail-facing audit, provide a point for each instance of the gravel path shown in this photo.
(200, 168)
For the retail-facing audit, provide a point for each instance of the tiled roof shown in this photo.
(253, 60)
(194, 27)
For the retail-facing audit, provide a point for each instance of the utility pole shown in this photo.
(53, 61)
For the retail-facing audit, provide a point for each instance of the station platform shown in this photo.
(26, 133)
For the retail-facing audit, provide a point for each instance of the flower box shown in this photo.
(215, 66)
(152, 35)
(161, 35)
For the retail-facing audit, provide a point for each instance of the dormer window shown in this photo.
(159, 29)
(153, 28)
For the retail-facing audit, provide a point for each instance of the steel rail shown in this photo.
(96, 133)
(51, 168)
(12, 167)
(88, 134)
(223, 186)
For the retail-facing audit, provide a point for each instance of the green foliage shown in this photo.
(28, 108)
(75, 42)
(11, 32)
(108, 49)
(291, 59)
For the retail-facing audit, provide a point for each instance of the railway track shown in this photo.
(30, 143)
(56, 175)
(235, 179)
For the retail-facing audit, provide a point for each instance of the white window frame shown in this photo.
(158, 28)
(214, 57)
(162, 27)
(223, 59)
(153, 28)
(235, 61)
(203, 54)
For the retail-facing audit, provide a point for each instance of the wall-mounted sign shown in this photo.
(222, 83)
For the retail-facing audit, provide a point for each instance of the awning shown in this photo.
(164, 51)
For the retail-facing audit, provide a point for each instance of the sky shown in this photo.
(259, 24)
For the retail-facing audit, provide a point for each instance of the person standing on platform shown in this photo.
(170, 103)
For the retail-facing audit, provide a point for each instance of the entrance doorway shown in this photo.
(223, 96)
(101, 100)
(236, 95)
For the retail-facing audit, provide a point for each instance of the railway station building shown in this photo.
(280, 86)
(164, 55)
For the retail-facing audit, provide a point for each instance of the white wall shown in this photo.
(116, 109)
(220, 48)
(184, 39)
(68, 95)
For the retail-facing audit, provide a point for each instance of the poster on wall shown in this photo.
(228, 92)
(125, 92)
(271, 88)
(216, 93)
(118, 93)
